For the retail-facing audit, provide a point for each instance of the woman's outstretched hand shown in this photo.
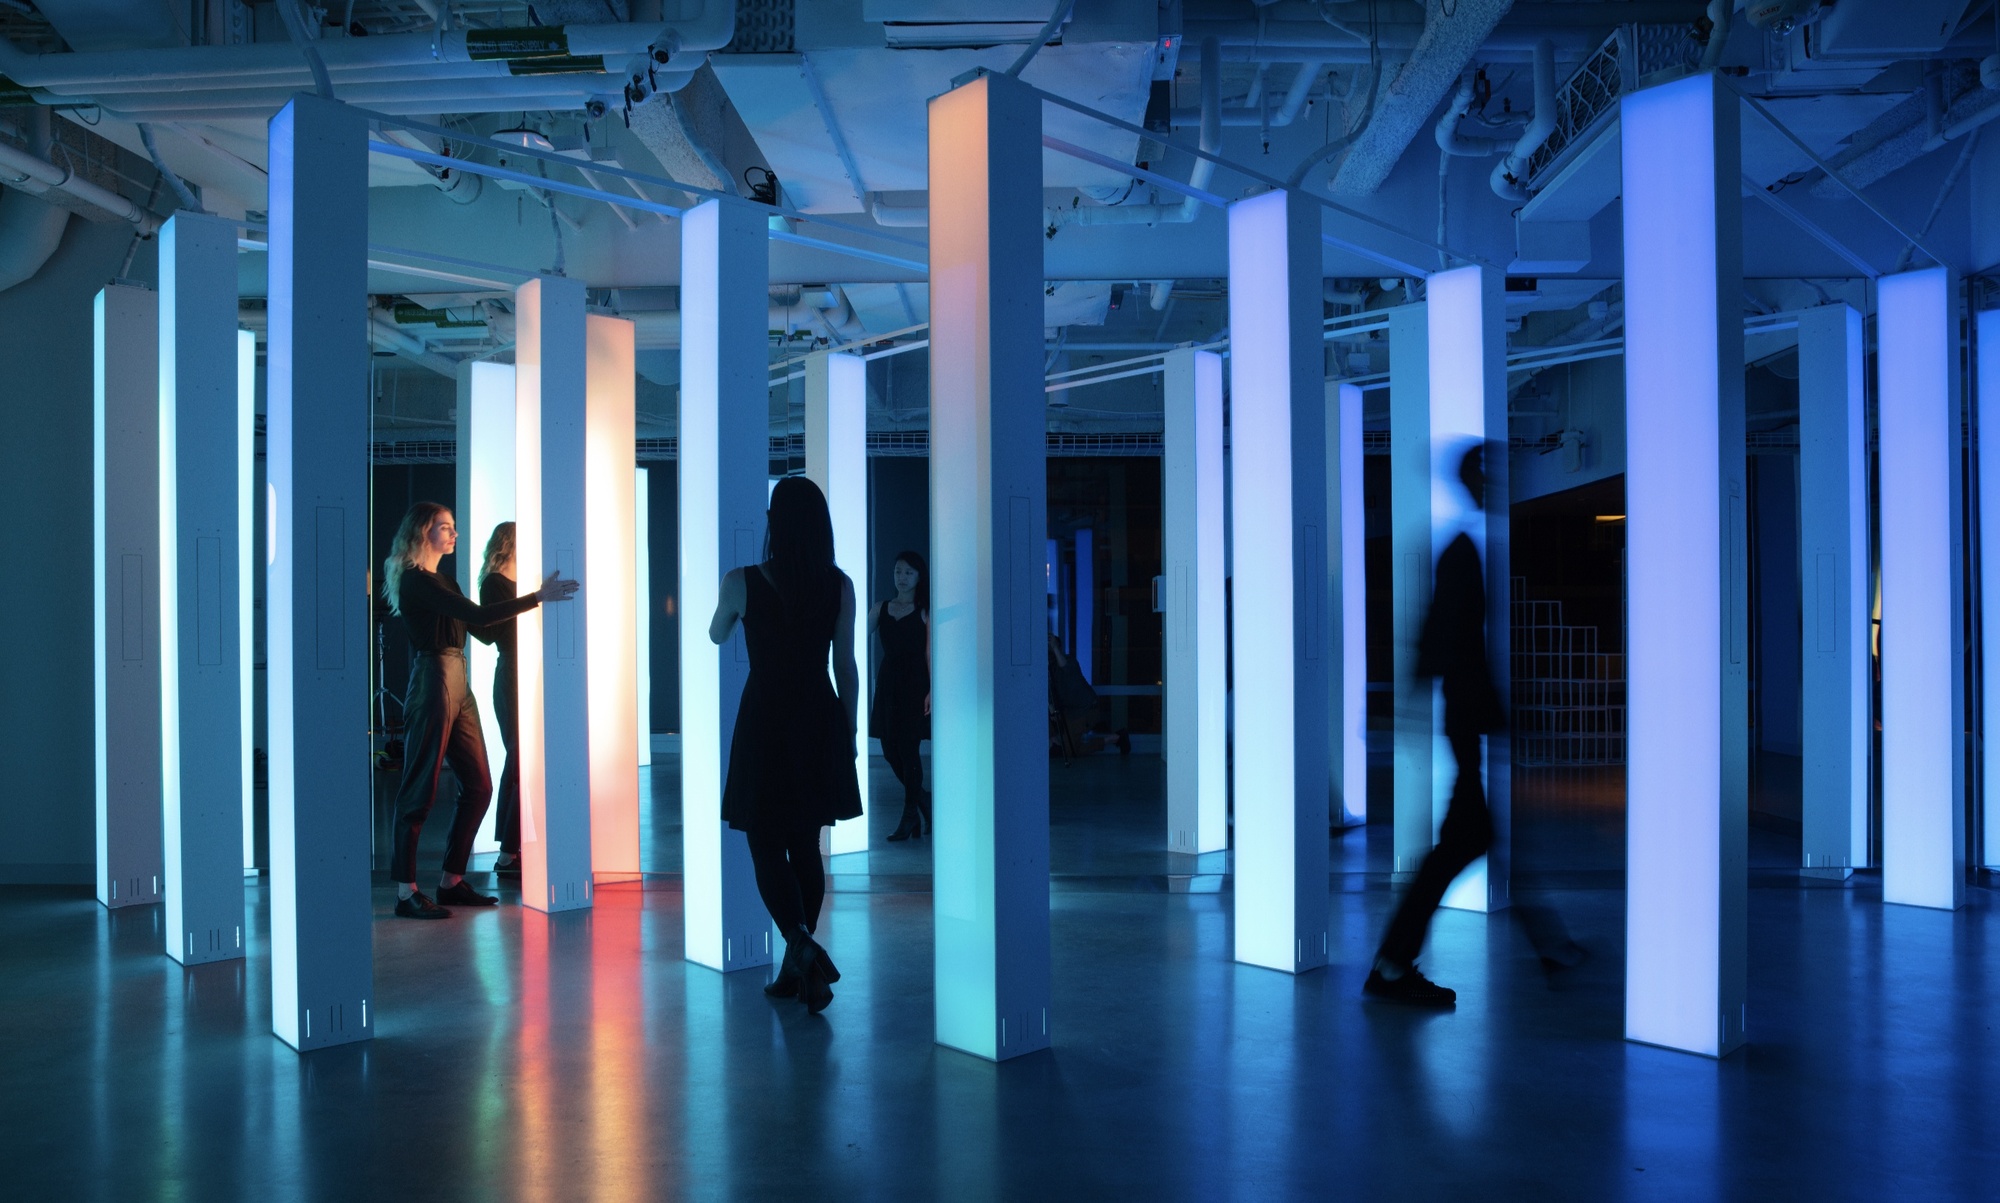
(555, 588)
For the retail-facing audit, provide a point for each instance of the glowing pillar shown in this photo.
(837, 461)
(317, 603)
(1196, 627)
(1987, 334)
(1687, 774)
(1410, 452)
(989, 639)
(125, 524)
(485, 500)
(206, 431)
(246, 400)
(550, 535)
(1086, 602)
(1280, 620)
(612, 530)
(1833, 570)
(724, 467)
(642, 596)
(1346, 539)
(1923, 636)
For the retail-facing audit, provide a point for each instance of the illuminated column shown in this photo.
(612, 606)
(989, 527)
(246, 483)
(317, 603)
(725, 462)
(1280, 621)
(1416, 807)
(550, 467)
(126, 532)
(643, 601)
(206, 431)
(1468, 376)
(1197, 629)
(1923, 637)
(1987, 333)
(1833, 568)
(485, 500)
(1687, 776)
(837, 461)
(1346, 542)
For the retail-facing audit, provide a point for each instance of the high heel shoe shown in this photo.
(786, 984)
(912, 824)
(816, 973)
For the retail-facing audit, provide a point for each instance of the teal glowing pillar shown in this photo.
(1279, 621)
(317, 602)
(1687, 776)
(989, 639)
(206, 430)
(1410, 453)
(724, 466)
(485, 421)
(1197, 629)
(1923, 635)
(643, 586)
(837, 461)
(1833, 568)
(1987, 334)
(1346, 544)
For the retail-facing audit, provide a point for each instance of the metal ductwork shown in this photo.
(30, 232)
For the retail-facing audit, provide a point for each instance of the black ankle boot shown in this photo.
(912, 823)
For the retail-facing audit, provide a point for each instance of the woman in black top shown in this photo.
(791, 757)
(440, 716)
(901, 717)
(497, 588)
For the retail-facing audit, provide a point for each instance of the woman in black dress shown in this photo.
(441, 718)
(791, 758)
(901, 717)
(496, 588)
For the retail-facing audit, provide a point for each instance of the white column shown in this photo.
(1346, 539)
(1687, 770)
(1280, 621)
(1833, 573)
(612, 530)
(1923, 637)
(1466, 309)
(989, 636)
(1197, 630)
(205, 535)
(125, 522)
(246, 484)
(643, 597)
(550, 469)
(1416, 807)
(725, 461)
(317, 603)
(837, 461)
(1987, 334)
(485, 500)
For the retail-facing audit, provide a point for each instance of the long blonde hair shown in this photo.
(499, 551)
(403, 549)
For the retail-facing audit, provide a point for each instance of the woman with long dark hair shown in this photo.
(791, 758)
(441, 719)
(497, 588)
(901, 716)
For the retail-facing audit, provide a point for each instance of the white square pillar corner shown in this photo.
(1197, 631)
(836, 390)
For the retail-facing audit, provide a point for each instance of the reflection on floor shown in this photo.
(528, 1057)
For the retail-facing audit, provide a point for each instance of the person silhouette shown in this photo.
(1451, 649)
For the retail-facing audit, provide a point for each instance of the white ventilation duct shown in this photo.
(21, 170)
(1450, 141)
(30, 231)
(1509, 172)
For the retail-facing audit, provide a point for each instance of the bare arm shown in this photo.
(728, 607)
(846, 676)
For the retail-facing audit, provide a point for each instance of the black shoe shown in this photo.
(912, 825)
(419, 906)
(461, 893)
(1412, 989)
(510, 869)
(816, 972)
(786, 984)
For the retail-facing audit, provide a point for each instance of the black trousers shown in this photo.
(908, 765)
(1464, 838)
(507, 795)
(790, 878)
(442, 729)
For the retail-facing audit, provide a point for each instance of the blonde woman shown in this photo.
(440, 716)
(497, 588)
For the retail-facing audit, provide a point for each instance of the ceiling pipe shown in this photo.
(383, 329)
(1718, 33)
(1163, 291)
(19, 169)
(30, 231)
(1198, 177)
(1450, 141)
(1509, 172)
(524, 92)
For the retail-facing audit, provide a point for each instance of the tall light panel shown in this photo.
(612, 529)
(246, 605)
(643, 601)
(550, 466)
(1279, 620)
(204, 565)
(1923, 636)
(837, 461)
(1347, 538)
(1197, 631)
(1833, 568)
(1987, 334)
(989, 529)
(125, 528)
(317, 602)
(1687, 773)
(485, 499)
(1415, 811)
(725, 462)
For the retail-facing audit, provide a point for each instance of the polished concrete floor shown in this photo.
(578, 1057)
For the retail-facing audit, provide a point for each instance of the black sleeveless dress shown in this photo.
(791, 759)
(898, 712)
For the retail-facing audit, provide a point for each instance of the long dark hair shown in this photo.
(499, 552)
(923, 590)
(798, 544)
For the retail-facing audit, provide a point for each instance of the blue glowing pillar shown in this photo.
(724, 466)
(1086, 601)
(1687, 773)
(485, 421)
(837, 461)
(1280, 622)
(1416, 803)
(989, 493)
(1833, 570)
(206, 431)
(317, 602)
(125, 524)
(1987, 334)
(1923, 635)
(1346, 537)
(1196, 627)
